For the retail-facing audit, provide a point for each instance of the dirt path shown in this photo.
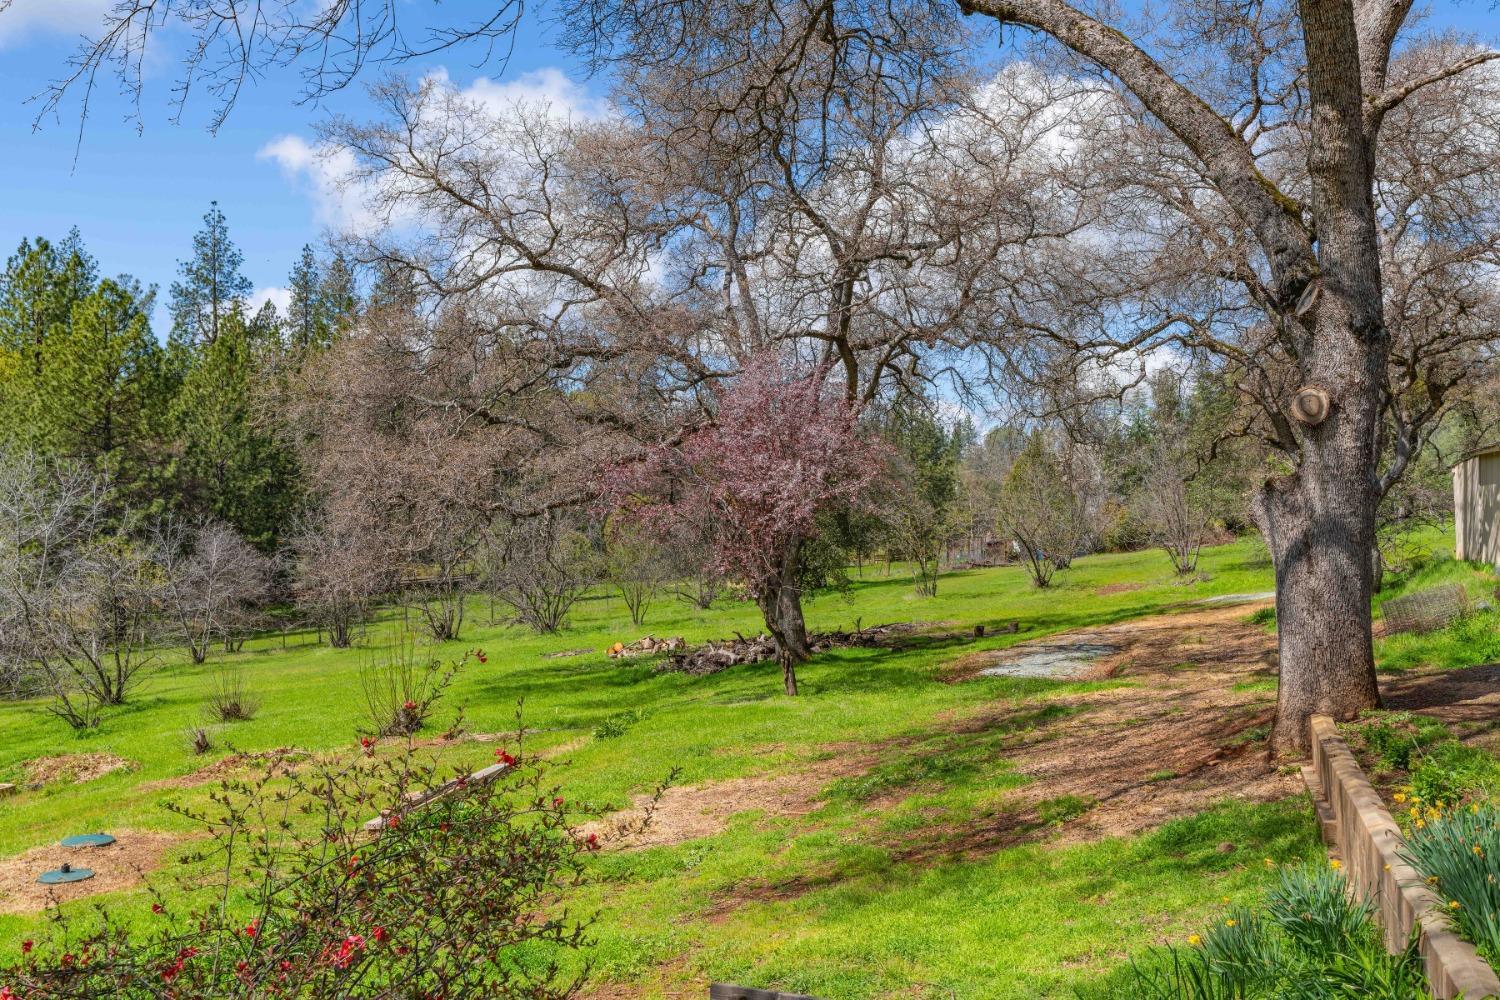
(1177, 740)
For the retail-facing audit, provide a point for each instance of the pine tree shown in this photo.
(38, 290)
(339, 295)
(211, 286)
(104, 392)
(308, 324)
(229, 466)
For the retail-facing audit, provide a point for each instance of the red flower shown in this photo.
(557, 803)
(352, 944)
(26, 946)
(6, 994)
(505, 758)
(592, 842)
(479, 655)
(67, 959)
(410, 706)
(252, 929)
(378, 933)
(156, 907)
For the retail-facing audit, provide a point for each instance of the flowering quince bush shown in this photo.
(782, 449)
(462, 896)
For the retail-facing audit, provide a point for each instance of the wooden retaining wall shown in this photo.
(1357, 824)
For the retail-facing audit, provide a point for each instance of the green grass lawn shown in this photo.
(819, 903)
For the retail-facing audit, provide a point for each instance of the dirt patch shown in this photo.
(1466, 699)
(1134, 757)
(122, 865)
(282, 760)
(74, 767)
(1118, 588)
(689, 812)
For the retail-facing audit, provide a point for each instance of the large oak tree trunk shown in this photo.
(1320, 520)
(781, 604)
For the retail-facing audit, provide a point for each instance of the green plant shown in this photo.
(1458, 852)
(1265, 617)
(1310, 941)
(617, 725)
(1392, 736)
(1313, 909)
(1453, 772)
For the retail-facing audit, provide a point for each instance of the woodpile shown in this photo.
(713, 656)
(646, 646)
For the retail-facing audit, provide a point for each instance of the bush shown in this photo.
(1311, 940)
(1391, 737)
(229, 697)
(1458, 851)
(401, 689)
(1452, 772)
(464, 898)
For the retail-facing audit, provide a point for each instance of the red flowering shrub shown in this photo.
(458, 898)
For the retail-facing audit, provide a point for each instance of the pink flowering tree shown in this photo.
(781, 450)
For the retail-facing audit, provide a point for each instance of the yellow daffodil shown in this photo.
(1194, 940)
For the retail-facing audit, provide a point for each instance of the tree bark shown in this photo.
(781, 605)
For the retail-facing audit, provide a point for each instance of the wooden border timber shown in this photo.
(728, 991)
(1357, 824)
(419, 799)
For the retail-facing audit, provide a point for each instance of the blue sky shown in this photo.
(138, 198)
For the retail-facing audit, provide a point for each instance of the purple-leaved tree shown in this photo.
(782, 449)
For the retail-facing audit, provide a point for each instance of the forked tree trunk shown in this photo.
(1320, 520)
(1319, 523)
(781, 605)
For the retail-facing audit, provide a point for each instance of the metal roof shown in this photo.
(1488, 449)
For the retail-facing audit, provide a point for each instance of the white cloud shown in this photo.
(25, 17)
(548, 88)
(327, 175)
(279, 297)
(342, 197)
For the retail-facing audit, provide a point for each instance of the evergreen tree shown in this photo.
(38, 289)
(230, 467)
(211, 284)
(308, 323)
(339, 295)
(104, 392)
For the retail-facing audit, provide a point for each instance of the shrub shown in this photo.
(402, 688)
(199, 740)
(1452, 772)
(464, 898)
(617, 725)
(229, 697)
(1458, 851)
(1392, 736)
(1310, 940)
